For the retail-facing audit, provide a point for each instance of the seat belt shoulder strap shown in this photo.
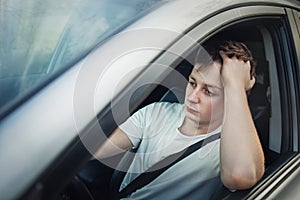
(158, 168)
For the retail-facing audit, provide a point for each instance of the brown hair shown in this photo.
(231, 48)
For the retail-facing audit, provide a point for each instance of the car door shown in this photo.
(267, 30)
(272, 34)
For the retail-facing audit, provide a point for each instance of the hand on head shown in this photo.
(235, 71)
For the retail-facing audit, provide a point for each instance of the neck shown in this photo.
(191, 128)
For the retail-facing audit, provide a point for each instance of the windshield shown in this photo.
(39, 38)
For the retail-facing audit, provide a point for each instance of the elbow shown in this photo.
(241, 179)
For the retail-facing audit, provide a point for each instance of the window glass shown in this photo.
(39, 38)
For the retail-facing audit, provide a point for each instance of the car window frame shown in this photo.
(199, 33)
(216, 22)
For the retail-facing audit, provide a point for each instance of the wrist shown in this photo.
(234, 88)
(231, 84)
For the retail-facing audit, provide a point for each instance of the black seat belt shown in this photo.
(158, 168)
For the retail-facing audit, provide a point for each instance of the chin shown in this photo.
(192, 117)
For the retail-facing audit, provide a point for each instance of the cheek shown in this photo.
(188, 91)
(212, 105)
(217, 107)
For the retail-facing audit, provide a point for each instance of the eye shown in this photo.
(208, 92)
(193, 84)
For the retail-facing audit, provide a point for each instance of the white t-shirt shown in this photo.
(154, 129)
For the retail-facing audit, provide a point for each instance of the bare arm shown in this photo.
(242, 158)
(117, 143)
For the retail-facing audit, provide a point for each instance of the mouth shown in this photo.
(191, 110)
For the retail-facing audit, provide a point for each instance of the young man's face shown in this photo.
(204, 98)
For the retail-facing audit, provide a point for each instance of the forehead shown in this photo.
(209, 75)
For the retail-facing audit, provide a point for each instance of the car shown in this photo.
(72, 71)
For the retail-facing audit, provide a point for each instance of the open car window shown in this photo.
(269, 99)
(267, 38)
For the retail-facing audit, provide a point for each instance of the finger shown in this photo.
(223, 55)
(227, 56)
(251, 83)
(249, 67)
(218, 67)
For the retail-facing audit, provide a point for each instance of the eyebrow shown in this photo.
(206, 84)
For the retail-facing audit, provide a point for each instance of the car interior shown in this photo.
(94, 180)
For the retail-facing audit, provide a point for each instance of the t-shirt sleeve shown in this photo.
(135, 126)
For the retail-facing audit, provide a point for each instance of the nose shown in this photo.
(193, 96)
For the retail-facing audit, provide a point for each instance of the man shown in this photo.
(215, 101)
